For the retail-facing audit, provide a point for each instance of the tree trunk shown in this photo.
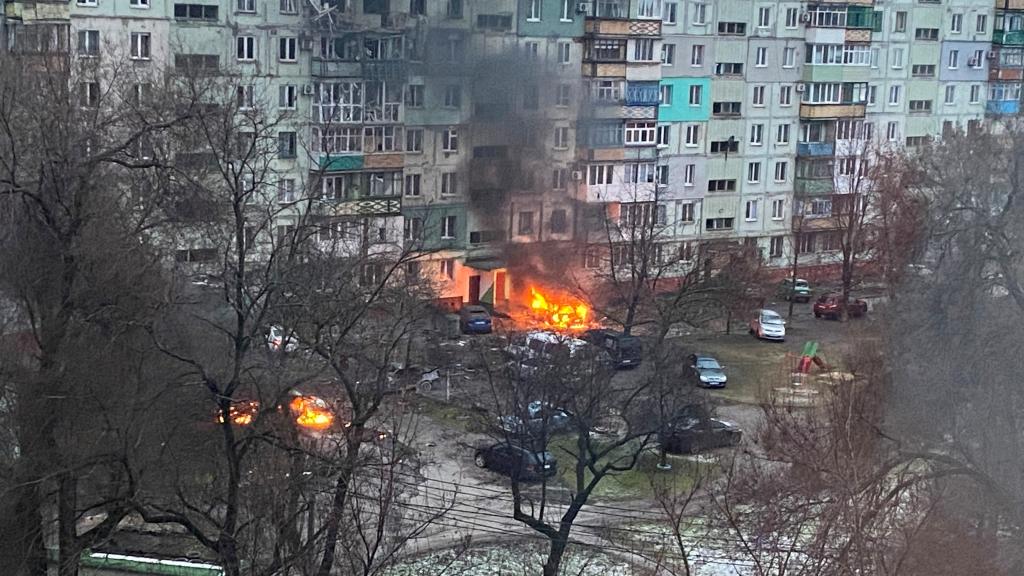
(67, 504)
(554, 562)
(333, 527)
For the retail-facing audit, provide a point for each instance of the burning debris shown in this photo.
(311, 413)
(559, 312)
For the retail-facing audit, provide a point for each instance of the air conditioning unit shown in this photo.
(800, 87)
(583, 8)
(805, 17)
(577, 175)
(990, 55)
(307, 89)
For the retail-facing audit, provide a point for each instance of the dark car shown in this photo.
(696, 432)
(708, 371)
(474, 319)
(828, 306)
(624, 350)
(542, 419)
(516, 461)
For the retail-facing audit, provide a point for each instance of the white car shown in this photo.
(545, 344)
(768, 325)
(277, 342)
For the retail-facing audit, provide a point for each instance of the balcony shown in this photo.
(643, 94)
(1002, 107)
(814, 186)
(492, 173)
(815, 149)
(1012, 38)
(832, 110)
(625, 28)
(382, 206)
(389, 70)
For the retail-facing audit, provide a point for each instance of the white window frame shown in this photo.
(778, 209)
(689, 171)
(949, 94)
(245, 48)
(692, 136)
(449, 184)
(956, 23)
(139, 4)
(288, 49)
(90, 47)
(785, 96)
(141, 46)
(696, 95)
(450, 141)
(287, 97)
(783, 167)
(246, 6)
(750, 210)
(753, 173)
(697, 56)
(564, 52)
(758, 99)
(788, 57)
(533, 10)
(756, 134)
(449, 224)
(761, 57)
(561, 141)
(700, 14)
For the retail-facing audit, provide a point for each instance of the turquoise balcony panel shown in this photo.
(814, 149)
(1002, 107)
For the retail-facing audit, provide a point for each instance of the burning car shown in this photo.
(558, 312)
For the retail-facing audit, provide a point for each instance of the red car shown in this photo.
(827, 305)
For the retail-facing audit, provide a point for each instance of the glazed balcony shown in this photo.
(811, 111)
(814, 149)
(813, 186)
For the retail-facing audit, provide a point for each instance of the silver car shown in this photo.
(768, 325)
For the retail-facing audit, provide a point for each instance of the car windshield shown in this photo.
(708, 363)
(802, 284)
(769, 317)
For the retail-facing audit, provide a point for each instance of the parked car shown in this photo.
(829, 305)
(708, 371)
(546, 345)
(277, 341)
(542, 419)
(768, 325)
(474, 319)
(625, 351)
(695, 432)
(798, 291)
(517, 462)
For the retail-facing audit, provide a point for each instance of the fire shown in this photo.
(311, 412)
(242, 413)
(564, 316)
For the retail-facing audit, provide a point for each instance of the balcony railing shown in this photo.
(815, 148)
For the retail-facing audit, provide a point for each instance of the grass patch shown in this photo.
(750, 364)
(635, 484)
(450, 416)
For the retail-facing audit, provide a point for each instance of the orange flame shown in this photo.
(311, 412)
(242, 413)
(566, 316)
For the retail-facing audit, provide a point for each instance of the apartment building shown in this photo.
(502, 136)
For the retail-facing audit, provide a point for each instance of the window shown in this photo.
(448, 227)
(700, 13)
(721, 185)
(718, 224)
(287, 145)
(692, 134)
(892, 131)
(956, 24)
(600, 174)
(900, 23)
(897, 57)
(649, 9)
(696, 91)
(920, 105)
(665, 95)
(448, 266)
(729, 68)
(88, 43)
(978, 60)
(452, 96)
(750, 211)
(245, 96)
(761, 57)
(287, 7)
(140, 46)
(567, 8)
(563, 96)
(195, 12)
(788, 57)
(975, 93)
(560, 178)
(953, 62)
(688, 174)
(874, 57)
(640, 133)
(792, 17)
(697, 55)
(286, 191)
(89, 94)
(561, 138)
(778, 209)
(532, 50)
(414, 96)
(926, 34)
(662, 136)
(245, 5)
(726, 108)
(950, 95)
(414, 140)
(533, 11)
(686, 211)
(754, 172)
(525, 223)
(764, 17)
(412, 184)
(786, 95)
(642, 173)
(668, 54)
(981, 24)
(87, 2)
(782, 134)
(564, 52)
(141, 94)
(413, 229)
(758, 99)
(669, 13)
(732, 28)
(245, 48)
(781, 169)
(923, 70)
(895, 93)
(609, 91)
(643, 50)
(287, 96)
(449, 184)
(728, 146)
(756, 134)
(287, 49)
(558, 221)
(775, 246)
(661, 175)
(450, 140)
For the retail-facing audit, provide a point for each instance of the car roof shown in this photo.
(474, 308)
(704, 357)
(554, 338)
